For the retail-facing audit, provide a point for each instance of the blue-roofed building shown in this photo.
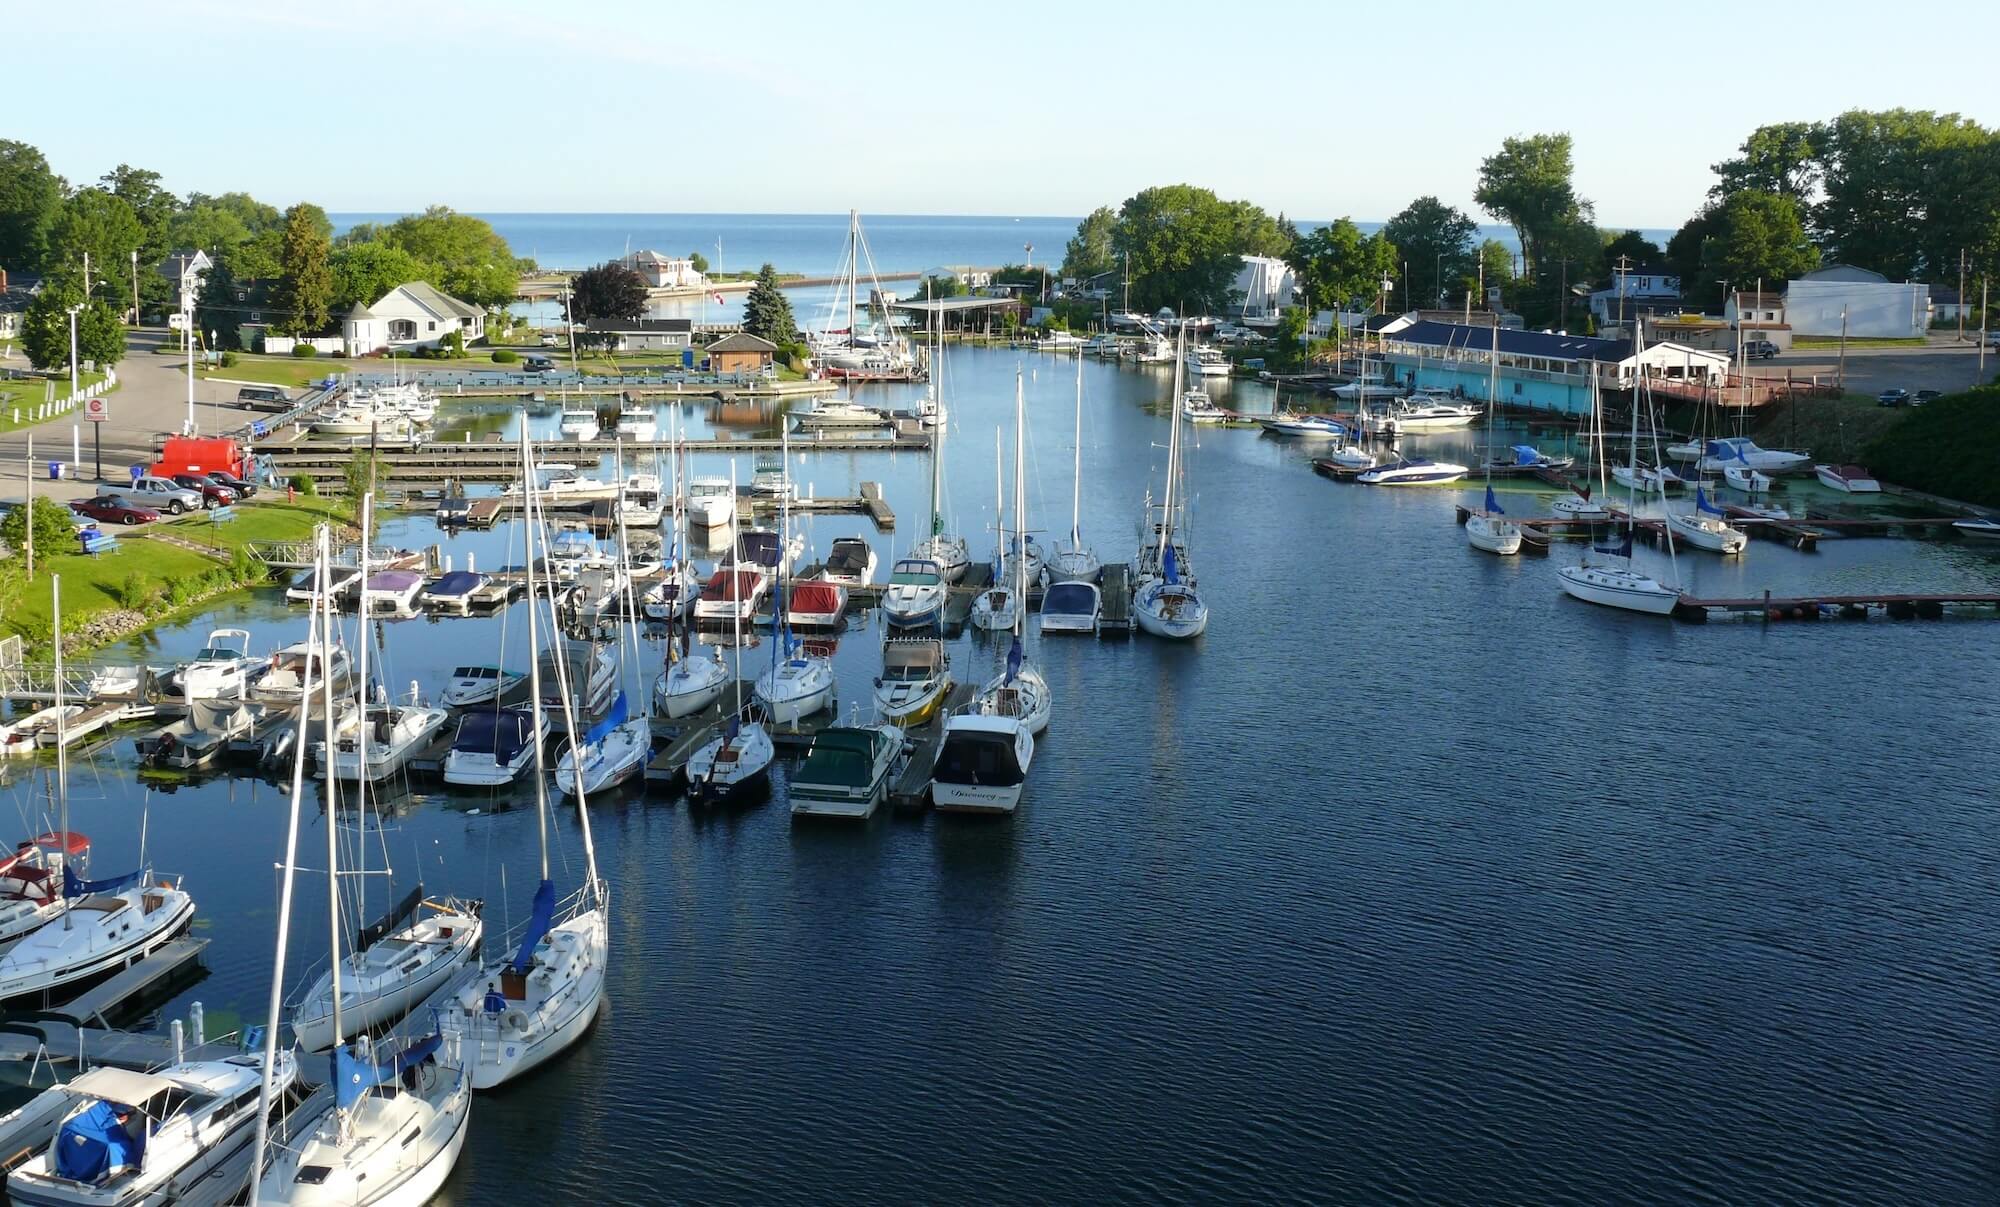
(1537, 369)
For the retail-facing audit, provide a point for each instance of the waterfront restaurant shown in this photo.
(1537, 369)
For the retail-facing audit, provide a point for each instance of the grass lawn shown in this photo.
(27, 395)
(1822, 344)
(265, 518)
(291, 372)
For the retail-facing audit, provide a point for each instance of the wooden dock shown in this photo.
(103, 1001)
(911, 788)
(1894, 605)
(1115, 618)
(484, 461)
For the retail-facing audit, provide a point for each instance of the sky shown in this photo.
(1317, 110)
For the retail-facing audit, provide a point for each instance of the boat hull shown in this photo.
(1493, 536)
(1631, 593)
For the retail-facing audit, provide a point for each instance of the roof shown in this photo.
(1515, 343)
(433, 299)
(122, 1086)
(178, 264)
(742, 341)
(1750, 297)
(951, 305)
(641, 326)
(1844, 272)
(360, 312)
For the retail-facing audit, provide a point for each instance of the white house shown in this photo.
(1647, 289)
(1866, 304)
(664, 272)
(412, 315)
(1267, 284)
(633, 335)
(186, 269)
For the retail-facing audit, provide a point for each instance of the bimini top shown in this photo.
(458, 582)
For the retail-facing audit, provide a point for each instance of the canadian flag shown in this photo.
(718, 297)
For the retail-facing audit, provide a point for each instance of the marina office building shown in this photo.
(1537, 369)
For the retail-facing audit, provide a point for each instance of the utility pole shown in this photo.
(135, 287)
(1624, 270)
(28, 472)
(1842, 380)
(1984, 326)
(72, 351)
(1961, 295)
(187, 338)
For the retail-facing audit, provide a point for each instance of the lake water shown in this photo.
(1412, 879)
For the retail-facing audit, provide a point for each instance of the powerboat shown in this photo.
(1429, 417)
(769, 478)
(1648, 478)
(579, 419)
(570, 554)
(475, 684)
(1745, 479)
(598, 592)
(846, 772)
(223, 670)
(1413, 471)
(1849, 479)
(1294, 424)
(391, 593)
(638, 420)
(1203, 361)
(982, 762)
(1740, 450)
(1704, 528)
(392, 735)
(916, 594)
(199, 738)
(815, 604)
(732, 592)
(394, 966)
(306, 584)
(711, 502)
(1197, 407)
(639, 501)
(734, 766)
(838, 413)
(458, 591)
(613, 751)
(1979, 529)
(851, 563)
(494, 746)
(1071, 606)
(915, 680)
(114, 1136)
(109, 924)
(591, 670)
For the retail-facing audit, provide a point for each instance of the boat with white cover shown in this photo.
(1725, 451)
(1848, 479)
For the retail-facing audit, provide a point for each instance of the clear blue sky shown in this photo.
(615, 105)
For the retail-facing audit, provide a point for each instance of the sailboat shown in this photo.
(1488, 528)
(1019, 691)
(995, 608)
(1074, 561)
(1165, 603)
(615, 747)
(104, 924)
(523, 1010)
(1622, 585)
(1579, 505)
(670, 598)
(1704, 527)
(881, 354)
(395, 1121)
(799, 683)
(945, 551)
(737, 763)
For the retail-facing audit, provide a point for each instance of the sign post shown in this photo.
(97, 411)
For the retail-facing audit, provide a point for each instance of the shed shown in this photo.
(741, 352)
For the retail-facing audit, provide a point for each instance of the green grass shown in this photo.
(1945, 448)
(28, 395)
(1822, 344)
(292, 372)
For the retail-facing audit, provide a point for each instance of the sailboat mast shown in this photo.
(332, 781)
(62, 733)
(1173, 444)
(534, 650)
(1020, 514)
(937, 411)
(999, 502)
(734, 589)
(1076, 476)
(853, 271)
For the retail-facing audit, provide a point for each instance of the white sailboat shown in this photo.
(799, 683)
(1165, 602)
(615, 747)
(1488, 529)
(1619, 583)
(736, 764)
(877, 355)
(1019, 691)
(998, 606)
(1704, 527)
(944, 550)
(1074, 561)
(521, 1011)
(1579, 505)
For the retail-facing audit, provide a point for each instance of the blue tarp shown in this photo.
(538, 924)
(612, 720)
(1014, 659)
(93, 1144)
(354, 1077)
(458, 582)
(73, 887)
(1527, 454)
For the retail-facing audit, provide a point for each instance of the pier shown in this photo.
(1894, 605)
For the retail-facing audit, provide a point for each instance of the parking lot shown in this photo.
(1945, 366)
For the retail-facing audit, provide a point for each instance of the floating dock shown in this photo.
(1894, 605)
(1114, 618)
(911, 789)
(106, 1000)
(496, 461)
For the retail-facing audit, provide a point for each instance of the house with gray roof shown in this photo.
(412, 315)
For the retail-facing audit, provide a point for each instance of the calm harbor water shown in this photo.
(1412, 879)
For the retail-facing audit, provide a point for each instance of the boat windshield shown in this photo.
(914, 577)
(477, 672)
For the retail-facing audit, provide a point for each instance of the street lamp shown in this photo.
(73, 311)
(135, 287)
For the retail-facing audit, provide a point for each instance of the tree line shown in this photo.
(286, 265)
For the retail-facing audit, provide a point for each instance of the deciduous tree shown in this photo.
(1528, 185)
(30, 198)
(1089, 252)
(101, 224)
(1337, 264)
(100, 335)
(471, 259)
(608, 291)
(1435, 239)
(1779, 158)
(1185, 245)
(363, 272)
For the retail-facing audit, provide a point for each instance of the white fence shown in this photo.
(52, 406)
(325, 345)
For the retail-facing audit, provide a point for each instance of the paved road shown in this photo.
(151, 398)
(1943, 365)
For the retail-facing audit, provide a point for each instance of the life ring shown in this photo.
(514, 1020)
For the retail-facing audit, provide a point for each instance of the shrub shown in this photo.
(228, 360)
(505, 356)
(53, 531)
(180, 591)
(138, 592)
(304, 484)
(304, 351)
(244, 568)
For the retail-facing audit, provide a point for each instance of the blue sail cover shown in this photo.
(1492, 504)
(612, 720)
(1622, 548)
(354, 1077)
(1167, 566)
(1014, 656)
(539, 918)
(93, 1144)
(73, 887)
(1701, 502)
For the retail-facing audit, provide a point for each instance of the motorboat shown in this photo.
(362, 420)
(570, 554)
(1071, 606)
(1413, 471)
(1978, 529)
(637, 420)
(396, 963)
(31, 882)
(282, 683)
(815, 604)
(391, 593)
(915, 595)
(1747, 480)
(456, 592)
(1197, 408)
(639, 501)
(711, 502)
(732, 592)
(915, 680)
(494, 746)
(199, 738)
(1580, 509)
(306, 584)
(734, 766)
(838, 413)
(388, 737)
(590, 669)
(770, 479)
(1704, 528)
(109, 924)
(563, 484)
(851, 562)
(1060, 341)
(1618, 587)
(1204, 361)
(689, 683)
(186, 1133)
(846, 772)
(598, 592)
(670, 596)
(223, 670)
(982, 762)
(1429, 417)
(1726, 451)
(579, 419)
(1648, 478)
(474, 684)
(1294, 424)
(1363, 389)
(613, 750)
(1849, 479)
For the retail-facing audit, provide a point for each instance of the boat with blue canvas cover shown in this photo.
(458, 592)
(1527, 459)
(613, 751)
(494, 746)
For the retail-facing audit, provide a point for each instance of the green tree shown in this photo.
(30, 198)
(946, 286)
(1291, 338)
(1435, 240)
(1494, 268)
(767, 313)
(1904, 190)
(1185, 245)
(220, 224)
(100, 335)
(152, 205)
(1633, 245)
(1760, 236)
(305, 281)
(1528, 185)
(608, 291)
(101, 224)
(699, 261)
(363, 272)
(1338, 265)
(216, 307)
(1778, 158)
(54, 531)
(470, 259)
(1089, 252)
(1686, 257)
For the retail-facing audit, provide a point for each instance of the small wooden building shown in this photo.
(741, 353)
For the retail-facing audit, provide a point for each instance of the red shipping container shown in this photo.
(202, 455)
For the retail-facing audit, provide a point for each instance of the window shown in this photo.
(433, 325)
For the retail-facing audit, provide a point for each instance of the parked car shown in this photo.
(549, 339)
(108, 510)
(1993, 339)
(263, 394)
(1760, 349)
(170, 497)
(213, 494)
(536, 364)
(1892, 398)
(1923, 396)
(243, 489)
